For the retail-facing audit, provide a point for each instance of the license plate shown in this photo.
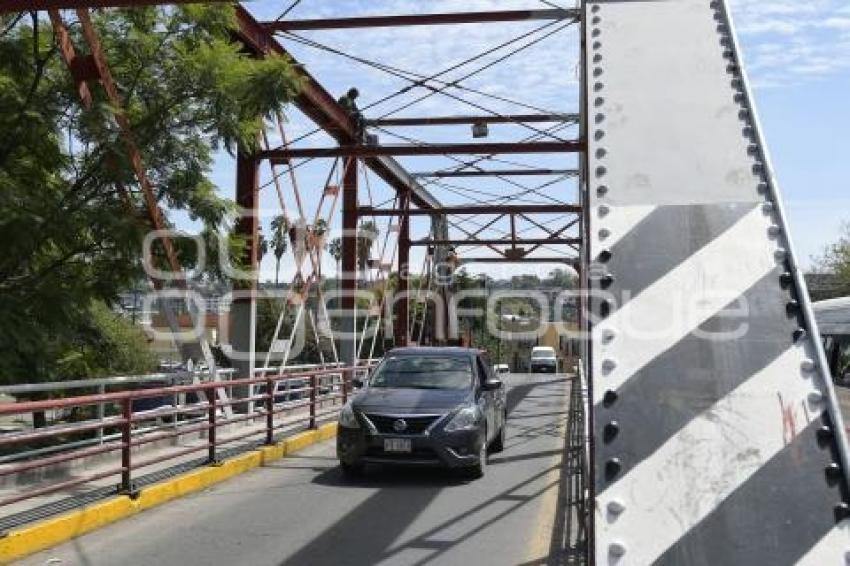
(396, 445)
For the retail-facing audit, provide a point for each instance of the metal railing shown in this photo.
(124, 433)
(577, 468)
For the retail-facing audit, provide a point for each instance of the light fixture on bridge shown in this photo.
(480, 130)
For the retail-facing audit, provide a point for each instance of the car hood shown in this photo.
(389, 400)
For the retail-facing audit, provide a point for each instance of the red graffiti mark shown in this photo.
(789, 424)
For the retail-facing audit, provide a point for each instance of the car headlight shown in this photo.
(347, 418)
(465, 419)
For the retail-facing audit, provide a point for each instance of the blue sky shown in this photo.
(797, 55)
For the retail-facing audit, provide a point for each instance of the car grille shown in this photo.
(415, 424)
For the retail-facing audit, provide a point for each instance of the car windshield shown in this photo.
(542, 354)
(423, 372)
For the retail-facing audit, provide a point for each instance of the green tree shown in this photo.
(836, 260)
(279, 242)
(70, 236)
(335, 249)
(366, 236)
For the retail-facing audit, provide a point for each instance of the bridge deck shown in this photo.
(302, 511)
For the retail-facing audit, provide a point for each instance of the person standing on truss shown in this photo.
(349, 104)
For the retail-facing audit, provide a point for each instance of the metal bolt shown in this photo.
(786, 279)
(780, 254)
(605, 255)
(608, 365)
(798, 334)
(606, 280)
(600, 171)
(604, 233)
(833, 472)
(615, 507)
(601, 190)
(842, 511)
(815, 397)
(792, 307)
(604, 209)
(774, 230)
(808, 366)
(612, 468)
(767, 207)
(824, 434)
(608, 335)
(617, 549)
(610, 431)
(609, 398)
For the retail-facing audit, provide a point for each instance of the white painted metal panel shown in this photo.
(716, 433)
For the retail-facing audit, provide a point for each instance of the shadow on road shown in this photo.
(370, 532)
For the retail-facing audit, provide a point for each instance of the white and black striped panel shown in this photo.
(715, 437)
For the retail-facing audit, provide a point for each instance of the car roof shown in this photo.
(433, 351)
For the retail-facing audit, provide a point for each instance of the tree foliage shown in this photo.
(836, 260)
(70, 236)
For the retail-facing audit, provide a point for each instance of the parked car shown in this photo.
(833, 319)
(543, 360)
(425, 407)
(502, 368)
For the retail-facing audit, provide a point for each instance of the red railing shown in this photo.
(319, 404)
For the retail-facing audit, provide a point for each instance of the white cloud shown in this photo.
(787, 42)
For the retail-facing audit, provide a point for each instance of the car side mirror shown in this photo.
(492, 385)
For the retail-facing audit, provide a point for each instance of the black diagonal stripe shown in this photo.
(690, 377)
(663, 240)
(774, 517)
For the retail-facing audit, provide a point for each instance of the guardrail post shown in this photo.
(126, 486)
(212, 409)
(101, 389)
(269, 411)
(313, 383)
(345, 384)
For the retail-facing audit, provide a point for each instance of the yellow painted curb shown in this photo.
(33, 538)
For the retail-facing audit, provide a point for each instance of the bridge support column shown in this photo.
(401, 326)
(243, 310)
(348, 277)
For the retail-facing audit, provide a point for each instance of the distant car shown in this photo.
(543, 360)
(425, 407)
(502, 368)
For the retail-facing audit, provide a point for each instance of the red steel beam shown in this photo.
(371, 151)
(423, 19)
(490, 119)
(323, 109)
(23, 5)
(496, 241)
(476, 209)
(568, 260)
(499, 173)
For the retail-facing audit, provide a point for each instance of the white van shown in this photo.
(543, 360)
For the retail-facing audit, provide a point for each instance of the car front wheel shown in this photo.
(499, 442)
(477, 471)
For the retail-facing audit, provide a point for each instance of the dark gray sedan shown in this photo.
(425, 407)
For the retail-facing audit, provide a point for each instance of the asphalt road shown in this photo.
(302, 511)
